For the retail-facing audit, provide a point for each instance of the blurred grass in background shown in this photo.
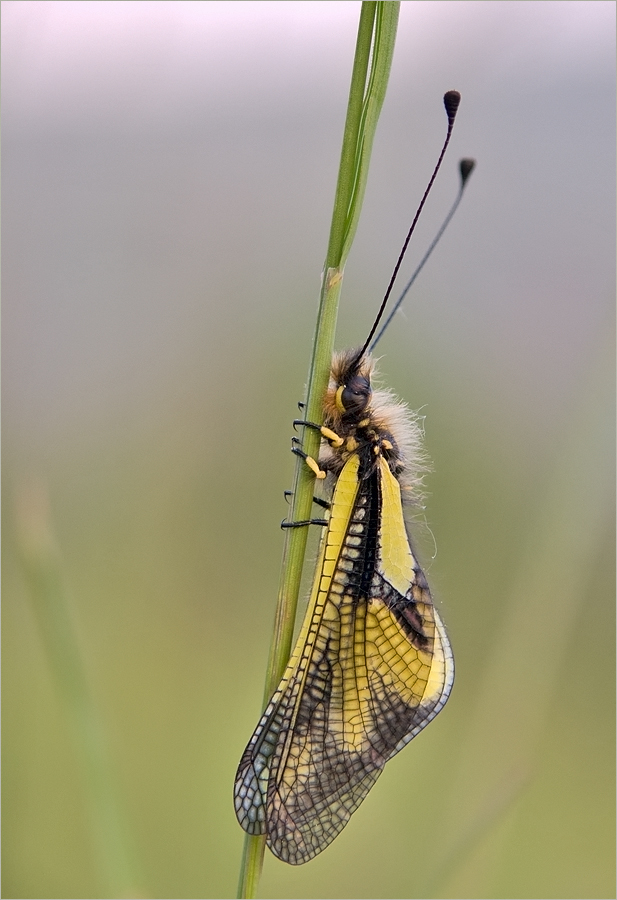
(168, 176)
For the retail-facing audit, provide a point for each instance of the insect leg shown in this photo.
(320, 474)
(318, 500)
(321, 522)
(331, 436)
(314, 466)
(323, 503)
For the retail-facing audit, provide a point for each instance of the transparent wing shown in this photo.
(372, 666)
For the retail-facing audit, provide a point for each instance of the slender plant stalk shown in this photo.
(42, 568)
(369, 80)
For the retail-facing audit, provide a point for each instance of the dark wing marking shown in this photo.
(372, 666)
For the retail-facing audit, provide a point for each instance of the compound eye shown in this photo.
(356, 394)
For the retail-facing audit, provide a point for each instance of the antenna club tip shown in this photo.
(466, 167)
(451, 100)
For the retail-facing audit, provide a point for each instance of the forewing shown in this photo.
(267, 752)
(371, 668)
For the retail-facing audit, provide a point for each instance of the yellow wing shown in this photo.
(372, 666)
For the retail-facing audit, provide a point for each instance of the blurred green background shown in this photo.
(169, 170)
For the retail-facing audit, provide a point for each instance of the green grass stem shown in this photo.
(369, 80)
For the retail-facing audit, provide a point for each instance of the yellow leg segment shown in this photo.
(331, 436)
(314, 467)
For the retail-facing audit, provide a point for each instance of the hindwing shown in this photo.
(371, 667)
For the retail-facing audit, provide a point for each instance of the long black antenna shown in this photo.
(451, 102)
(466, 167)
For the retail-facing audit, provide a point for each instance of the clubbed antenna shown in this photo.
(451, 102)
(466, 167)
